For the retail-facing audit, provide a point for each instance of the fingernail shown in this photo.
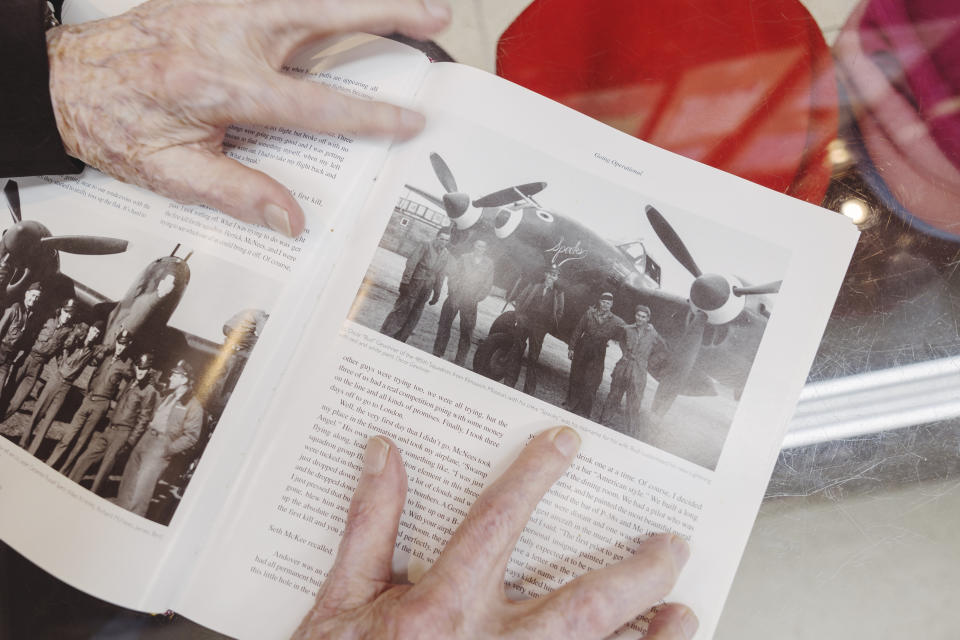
(375, 456)
(278, 220)
(567, 441)
(689, 623)
(437, 8)
(680, 550)
(412, 121)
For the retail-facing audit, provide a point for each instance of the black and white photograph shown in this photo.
(119, 351)
(603, 301)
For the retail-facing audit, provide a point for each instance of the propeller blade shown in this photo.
(672, 241)
(684, 353)
(429, 196)
(455, 204)
(85, 245)
(509, 195)
(770, 287)
(443, 172)
(12, 191)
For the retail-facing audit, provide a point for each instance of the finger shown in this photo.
(361, 570)
(296, 23)
(673, 622)
(207, 177)
(599, 602)
(477, 553)
(301, 104)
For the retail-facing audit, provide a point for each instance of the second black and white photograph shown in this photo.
(594, 298)
(119, 351)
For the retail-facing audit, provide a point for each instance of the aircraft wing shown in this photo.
(90, 297)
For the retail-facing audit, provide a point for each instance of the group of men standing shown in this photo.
(539, 309)
(469, 280)
(152, 421)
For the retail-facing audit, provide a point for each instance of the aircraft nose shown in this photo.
(709, 292)
(20, 241)
(456, 204)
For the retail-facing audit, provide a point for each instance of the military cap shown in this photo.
(184, 368)
(35, 286)
(606, 295)
(642, 307)
(145, 361)
(70, 305)
(124, 337)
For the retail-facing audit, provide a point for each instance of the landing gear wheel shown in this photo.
(495, 355)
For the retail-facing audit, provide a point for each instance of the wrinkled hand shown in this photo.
(146, 96)
(462, 595)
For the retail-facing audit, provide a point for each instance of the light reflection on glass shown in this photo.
(855, 209)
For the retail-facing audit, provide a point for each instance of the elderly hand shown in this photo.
(462, 595)
(147, 96)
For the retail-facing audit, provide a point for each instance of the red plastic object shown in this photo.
(745, 86)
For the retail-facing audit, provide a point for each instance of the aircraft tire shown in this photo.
(506, 322)
(493, 355)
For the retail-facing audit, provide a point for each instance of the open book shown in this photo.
(509, 213)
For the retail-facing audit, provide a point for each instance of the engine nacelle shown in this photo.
(713, 294)
(507, 221)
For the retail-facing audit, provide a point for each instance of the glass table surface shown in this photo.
(862, 118)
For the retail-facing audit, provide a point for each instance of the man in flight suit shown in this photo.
(469, 280)
(539, 309)
(112, 372)
(18, 328)
(77, 353)
(422, 277)
(637, 342)
(174, 428)
(130, 419)
(588, 349)
(49, 342)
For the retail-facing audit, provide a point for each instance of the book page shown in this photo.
(189, 284)
(680, 428)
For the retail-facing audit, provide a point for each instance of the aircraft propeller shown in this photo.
(770, 287)
(714, 299)
(13, 199)
(456, 202)
(672, 241)
(720, 297)
(26, 241)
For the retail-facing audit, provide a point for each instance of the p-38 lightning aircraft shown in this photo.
(713, 331)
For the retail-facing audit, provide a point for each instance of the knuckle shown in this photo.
(421, 616)
(332, 596)
(591, 610)
(659, 571)
(361, 516)
(492, 518)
